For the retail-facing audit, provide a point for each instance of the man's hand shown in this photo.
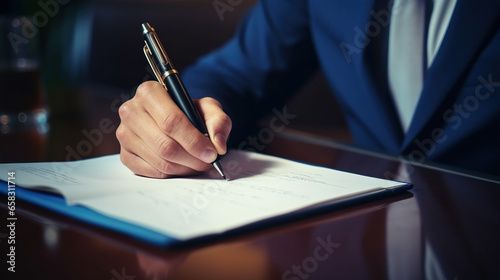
(157, 140)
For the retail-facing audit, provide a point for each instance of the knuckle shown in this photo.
(121, 133)
(167, 148)
(193, 144)
(225, 120)
(211, 100)
(124, 110)
(221, 121)
(145, 89)
(166, 167)
(171, 122)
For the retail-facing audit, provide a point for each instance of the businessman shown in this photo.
(414, 78)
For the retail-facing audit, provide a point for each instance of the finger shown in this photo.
(142, 168)
(143, 161)
(218, 123)
(174, 123)
(139, 166)
(139, 122)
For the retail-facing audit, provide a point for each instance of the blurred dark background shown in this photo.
(92, 61)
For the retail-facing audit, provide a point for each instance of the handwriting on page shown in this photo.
(260, 187)
(48, 174)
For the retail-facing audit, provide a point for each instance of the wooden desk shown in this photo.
(448, 227)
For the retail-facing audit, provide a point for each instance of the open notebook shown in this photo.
(262, 190)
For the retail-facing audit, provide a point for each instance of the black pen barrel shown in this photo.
(179, 94)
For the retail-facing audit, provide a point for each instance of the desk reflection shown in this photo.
(460, 226)
(447, 227)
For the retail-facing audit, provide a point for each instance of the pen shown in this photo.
(167, 75)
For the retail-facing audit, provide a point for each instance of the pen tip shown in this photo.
(218, 166)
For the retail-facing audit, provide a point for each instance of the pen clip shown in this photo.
(155, 68)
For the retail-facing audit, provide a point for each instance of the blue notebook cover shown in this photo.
(58, 204)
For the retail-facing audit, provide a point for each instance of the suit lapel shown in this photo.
(468, 27)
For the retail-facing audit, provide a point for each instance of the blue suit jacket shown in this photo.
(281, 42)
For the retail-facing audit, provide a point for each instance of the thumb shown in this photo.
(217, 121)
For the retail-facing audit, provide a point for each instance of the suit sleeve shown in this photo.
(267, 60)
